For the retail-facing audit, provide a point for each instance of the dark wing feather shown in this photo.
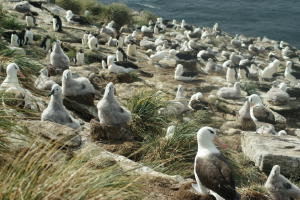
(262, 114)
(190, 74)
(296, 74)
(126, 64)
(187, 55)
(215, 174)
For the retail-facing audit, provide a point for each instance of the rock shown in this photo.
(108, 132)
(98, 154)
(22, 7)
(266, 151)
(85, 110)
(60, 134)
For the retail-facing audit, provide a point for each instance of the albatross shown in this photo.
(280, 187)
(213, 174)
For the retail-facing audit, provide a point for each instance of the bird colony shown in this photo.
(187, 57)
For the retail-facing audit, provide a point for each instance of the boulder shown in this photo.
(109, 132)
(268, 150)
(22, 7)
(60, 134)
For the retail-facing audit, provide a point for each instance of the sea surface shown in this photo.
(276, 19)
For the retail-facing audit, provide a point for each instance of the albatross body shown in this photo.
(56, 111)
(259, 112)
(279, 187)
(109, 110)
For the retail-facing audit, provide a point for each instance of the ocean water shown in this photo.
(276, 19)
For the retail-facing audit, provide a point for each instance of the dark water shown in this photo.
(276, 19)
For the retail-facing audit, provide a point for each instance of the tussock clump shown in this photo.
(9, 22)
(40, 172)
(147, 122)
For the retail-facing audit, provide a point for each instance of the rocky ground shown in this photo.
(251, 154)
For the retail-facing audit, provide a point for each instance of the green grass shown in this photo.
(9, 22)
(27, 66)
(39, 173)
(100, 13)
(250, 88)
(144, 18)
(147, 122)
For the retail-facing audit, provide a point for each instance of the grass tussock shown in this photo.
(143, 18)
(9, 22)
(175, 155)
(41, 172)
(100, 13)
(144, 106)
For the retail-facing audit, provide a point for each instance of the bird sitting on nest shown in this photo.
(79, 88)
(259, 113)
(120, 66)
(230, 92)
(279, 187)
(109, 110)
(180, 75)
(56, 111)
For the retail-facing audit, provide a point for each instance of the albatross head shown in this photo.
(12, 69)
(57, 46)
(109, 91)
(237, 86)
(179, 70)
(275, 170)
(67, 74)
(289, 65)
(56, 90)
(254, 99)
(205, 137)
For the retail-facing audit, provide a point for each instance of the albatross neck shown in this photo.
(56, 100)
(12, 78)
(206, 148)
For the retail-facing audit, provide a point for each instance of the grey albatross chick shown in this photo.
(212, 173)
(230, 92)
(43, 81)
(58, 59)
(79, 89)
(109, 110)
(258, 112)
(279, 187)
(56, 111)
(277, 96)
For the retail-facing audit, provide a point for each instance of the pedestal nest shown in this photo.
(100, 132)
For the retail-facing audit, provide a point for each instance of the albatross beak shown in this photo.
(21, 75)
(220, 143)
(51, 93)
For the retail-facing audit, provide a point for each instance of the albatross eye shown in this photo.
(212, 132)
